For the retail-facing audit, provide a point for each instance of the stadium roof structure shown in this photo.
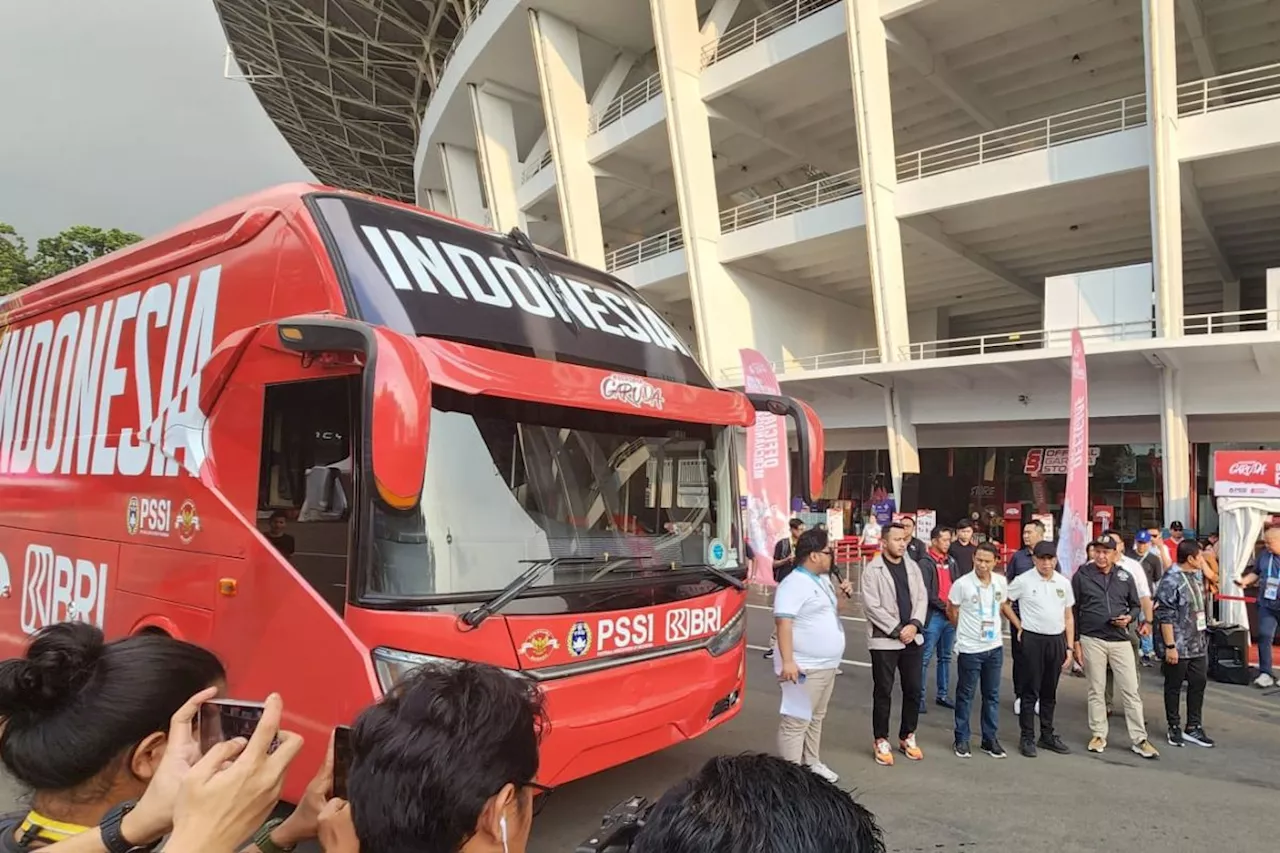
(346, 81)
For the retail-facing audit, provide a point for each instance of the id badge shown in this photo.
(1201, 622)
(988, 631)
(1272, 590)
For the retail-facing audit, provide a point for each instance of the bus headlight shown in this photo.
(730, 635)
(392, 665)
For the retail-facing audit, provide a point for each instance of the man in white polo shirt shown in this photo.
(810, 646)
(1046, 627)
(974, 605)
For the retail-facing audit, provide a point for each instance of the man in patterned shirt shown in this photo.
(1183, 640)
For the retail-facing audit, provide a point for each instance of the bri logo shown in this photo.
(631, 390)
(59, 589)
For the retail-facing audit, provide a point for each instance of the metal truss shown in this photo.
(346, 81)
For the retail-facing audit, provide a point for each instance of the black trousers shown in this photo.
(1015, 651)
(1193, 671)
(906, 664)
(1042, 658)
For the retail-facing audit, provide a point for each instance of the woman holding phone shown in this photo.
(86, 730)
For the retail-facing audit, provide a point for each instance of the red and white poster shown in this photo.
(1246, 473)
(768, 480)
(1074, 537)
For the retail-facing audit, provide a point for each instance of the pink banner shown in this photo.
(768, 479)
(1074, 541)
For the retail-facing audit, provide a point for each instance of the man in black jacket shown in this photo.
(915, 546)
(939, 572)
(1106, 601)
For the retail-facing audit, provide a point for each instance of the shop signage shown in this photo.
(1041, 461)
(1246, 473)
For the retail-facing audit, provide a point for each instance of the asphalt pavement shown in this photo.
(1191, 799)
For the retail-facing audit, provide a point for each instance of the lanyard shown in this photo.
(1194, 593)
(1273, 566)
(991, 588)
(36, 825)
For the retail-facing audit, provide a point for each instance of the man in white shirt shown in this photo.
(974, 605)
(810, 645)
(1046, 628)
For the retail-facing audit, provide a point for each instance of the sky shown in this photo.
(116, 113)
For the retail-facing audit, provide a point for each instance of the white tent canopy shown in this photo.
(1240, 523)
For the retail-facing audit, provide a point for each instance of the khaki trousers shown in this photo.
(1099, 656)
(798, 740)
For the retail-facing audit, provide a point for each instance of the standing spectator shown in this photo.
(1045, 629)
(810, 645)
(1022, 561)
(1176, 535)
(1105, 606)
(1153, 569)
(1266, 573)
(1157, 544)
(1128, 566)
(283, 542)
(962, 549)
(783, 562)
(896, 603)
(939, 572)
(1184, 641)
(915, 547)
(975, 602)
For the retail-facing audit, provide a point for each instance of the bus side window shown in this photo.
(305, 483)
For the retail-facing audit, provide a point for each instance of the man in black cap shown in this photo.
(1045, 626)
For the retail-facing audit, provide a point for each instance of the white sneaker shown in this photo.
(1264, 681)
(824, 771)
(1017, 705)
(1037, 706)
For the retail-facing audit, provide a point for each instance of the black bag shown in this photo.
(1229, 654)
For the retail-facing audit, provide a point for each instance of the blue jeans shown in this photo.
(983, 667)
(1268, 619)
(939, 638)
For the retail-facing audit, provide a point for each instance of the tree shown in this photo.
(77, 245)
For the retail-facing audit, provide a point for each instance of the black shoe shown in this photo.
(1175, 736)
(922, 710)
(945, 702)
(768, 655)
(1028, 747)
(1195, 735)
(1053, 743)
(994, 749)
(961, 749)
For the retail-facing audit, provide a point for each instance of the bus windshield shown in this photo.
(511, 483)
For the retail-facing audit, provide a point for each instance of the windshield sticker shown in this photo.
(631, 390)
(539, 645)
(716, 553)
(579, 639)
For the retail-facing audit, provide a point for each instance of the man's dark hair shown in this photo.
(893, 525)
(427, 758)
(278, 514)
(1036, 523)
(1187, 549)
(794, 523)
(759, 803)
(811, 541)
(936, 533)
(964, 524)
(990, 549)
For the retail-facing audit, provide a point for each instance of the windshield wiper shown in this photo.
(735, 582)
(526, 579)
(522, 240)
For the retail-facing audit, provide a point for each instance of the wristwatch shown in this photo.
(113, 839)
(262, 839)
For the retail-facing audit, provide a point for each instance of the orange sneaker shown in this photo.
(909, 748)
(884, 753)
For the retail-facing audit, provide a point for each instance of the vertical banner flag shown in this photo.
(1074, 541)
(768, 480)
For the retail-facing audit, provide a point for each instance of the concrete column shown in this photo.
(462, 183)
(564, 103)
(720, 310)
(1230, 296)
(1273, 299)
(499, 166)
(869, 61)
(718, 19)
(1160, 48)
(904, 450)
(612, 82)
(1175, 447)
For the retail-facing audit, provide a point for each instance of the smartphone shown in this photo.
(225, 719)
(341, 760)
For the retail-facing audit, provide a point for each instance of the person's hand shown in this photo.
(337, 831)
(1122, 621)
(907, 634)
(1019, 634)
(304, 823)
(231, 790)
(1171, 655)
(1144, 630)
(790, 672)
(846, 586)
(1066, 662)
(152, 818)
(1079, 656)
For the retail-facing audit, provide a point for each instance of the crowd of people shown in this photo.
(105, 736)
(1138, 600)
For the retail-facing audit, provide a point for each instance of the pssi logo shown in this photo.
(625, 633)
(579, 639)
(149, 516)
(631, 390)
(56, 588)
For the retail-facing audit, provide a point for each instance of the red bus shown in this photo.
(481, 450)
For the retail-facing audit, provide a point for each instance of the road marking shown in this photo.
(770, 609)
(842, 660)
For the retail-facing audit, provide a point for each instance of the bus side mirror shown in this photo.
(809, 438)
(397, 399)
